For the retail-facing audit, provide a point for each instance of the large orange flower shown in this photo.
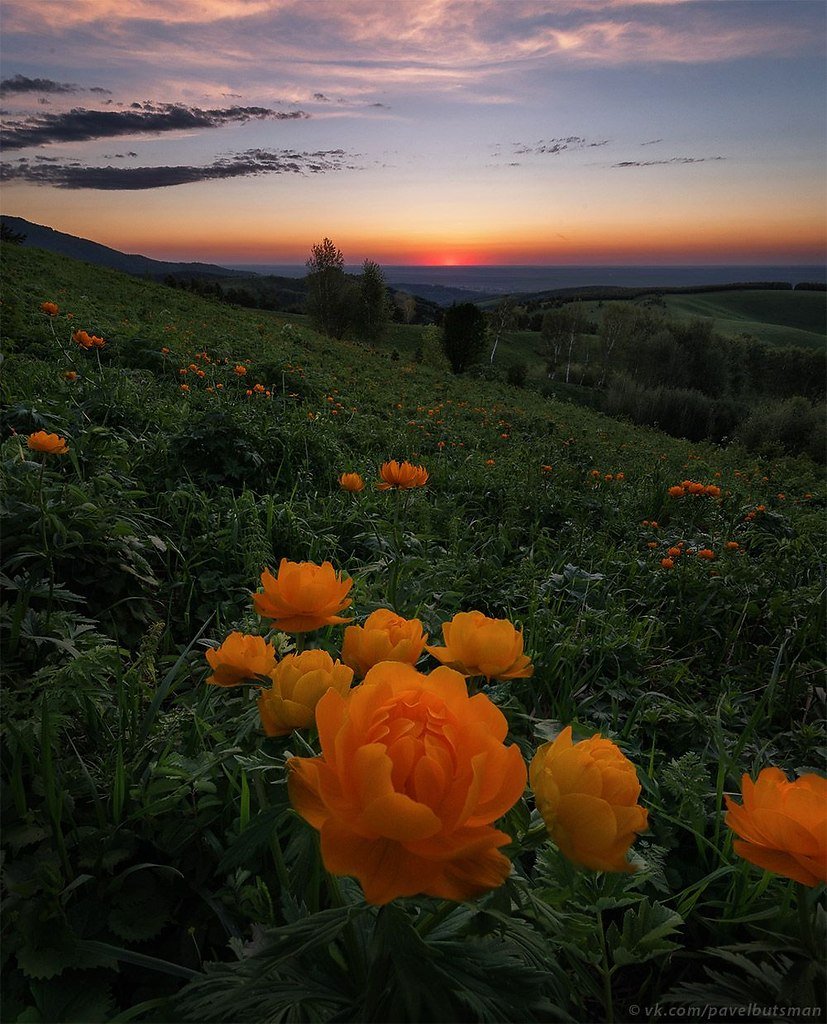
(478, 646)
(587, 795)
(239, 658)
(385, 636)
(413, 773)
(782, 825)
(402, 476)
(51, 444)
(303, 596)
(299, 681)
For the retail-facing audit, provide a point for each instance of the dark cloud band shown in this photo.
(80, 124)
(671, 160)
(74, 175)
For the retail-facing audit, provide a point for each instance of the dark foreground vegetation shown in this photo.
(154, 869)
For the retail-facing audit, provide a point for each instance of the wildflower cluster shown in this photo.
(87, 341)
(694, 489)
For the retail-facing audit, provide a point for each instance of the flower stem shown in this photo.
(608, 1004)
(805, 921)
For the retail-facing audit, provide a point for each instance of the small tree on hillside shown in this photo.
(327, 289)
(374, 308)
(560, 330)
(463, 335)
(501, 318)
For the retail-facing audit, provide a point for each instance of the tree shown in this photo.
(501, 318)
(327, 289)
(561, 328)
(463, 335)
(374, 309)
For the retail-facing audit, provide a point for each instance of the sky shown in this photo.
(435, 132)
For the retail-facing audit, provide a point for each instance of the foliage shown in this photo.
(153, 869)
(463, 335)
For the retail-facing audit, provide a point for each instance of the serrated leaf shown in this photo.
(644, 934)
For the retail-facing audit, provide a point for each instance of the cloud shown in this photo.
(651, 142)
(559, 145)
(80, 124)
(320, 97)
(71, 174)
(671, 160)
(20, 83)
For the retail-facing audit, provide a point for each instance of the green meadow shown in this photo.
(154, 868)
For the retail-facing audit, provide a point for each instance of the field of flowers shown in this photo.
(338, 688)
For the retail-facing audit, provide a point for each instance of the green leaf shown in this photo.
(644, 934)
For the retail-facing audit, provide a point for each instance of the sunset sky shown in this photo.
(421, 131)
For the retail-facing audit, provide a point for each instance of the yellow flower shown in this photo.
(51, 444)
(412, 775)
(239, 658)
(303, 596)
(385, 636)
(402, 476)
(478, 646)
(782, 825)
(299, 683)
(351, 482)
(587, 795)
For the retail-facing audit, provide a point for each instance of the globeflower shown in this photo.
(385, 636)
(50, 308)
(303, 596)
(299, 682)
(86, 340)
(51, 444)
(676, 492)
(239, 658)
(478, 646)
(402, 476)
(587, 795)
(413, 773)
(352, 482)
(782, 825)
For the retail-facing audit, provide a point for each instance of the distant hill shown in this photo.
(42, 237)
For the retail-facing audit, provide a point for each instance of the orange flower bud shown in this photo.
(587, 795)
(732, 545)
(706, 553)
(674, 552)
(70, 375)
(51, 444)
(411, 776)
(50, 308)
(667, 563)
(239, 658)
(385, 636)
(478, 646)
(782, 825)
(299, 683)
(402, 476)
(303, 596)
(351, 482)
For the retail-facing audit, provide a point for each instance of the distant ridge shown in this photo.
(41, 237)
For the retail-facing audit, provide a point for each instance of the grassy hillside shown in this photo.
(776, 317)
(154, 869)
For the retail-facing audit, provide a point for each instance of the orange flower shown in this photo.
(299, 682)
(351, 482)
(587, 795)
(652, 544)
(50, 308)
(712, 490)
(667, 563)
(478, 646)
(70, 375)
(412, 774)
(732, 545)
(695, 488)
(402, 476)
(240, 370)
(51, 444)
(239, 658)
(385, 636)
(675, 552)
(86, 340)
(706, 553)
(676, 492)
(782, 825)
(302, 596)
